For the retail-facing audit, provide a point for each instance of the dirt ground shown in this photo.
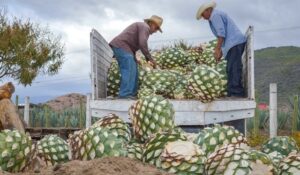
(104, 166)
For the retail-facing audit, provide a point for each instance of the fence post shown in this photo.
(17, 102)
(88, 118)
(256, 117)
(47, 116)
(273, 110)
(26, 111)
(295, 114)
(81, 114)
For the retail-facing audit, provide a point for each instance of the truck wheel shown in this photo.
(237, 124)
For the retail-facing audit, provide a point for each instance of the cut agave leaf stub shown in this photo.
(183, 148)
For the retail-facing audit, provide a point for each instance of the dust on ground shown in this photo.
(103, 166)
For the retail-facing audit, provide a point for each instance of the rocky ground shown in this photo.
(104, 166)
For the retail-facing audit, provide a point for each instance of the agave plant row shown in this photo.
(68, 118)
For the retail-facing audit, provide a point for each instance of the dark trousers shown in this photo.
(235, 71)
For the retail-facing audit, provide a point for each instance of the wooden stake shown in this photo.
(88, 118)
(273, 110)
(26, 111)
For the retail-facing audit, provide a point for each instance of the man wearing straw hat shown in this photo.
(231, 44)
(126, 44)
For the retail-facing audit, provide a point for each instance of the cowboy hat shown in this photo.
(203, 7)
(155, 19)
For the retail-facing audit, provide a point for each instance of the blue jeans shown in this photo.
(129, 72)
(235, 71)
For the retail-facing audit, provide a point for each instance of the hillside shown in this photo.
(66, 101)
(279, 65)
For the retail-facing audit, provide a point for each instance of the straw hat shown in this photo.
(203, 7)
(155, 19)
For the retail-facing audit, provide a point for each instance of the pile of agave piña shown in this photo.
(184, 72)
(155, 139)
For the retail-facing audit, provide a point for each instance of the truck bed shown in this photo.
(187, 112)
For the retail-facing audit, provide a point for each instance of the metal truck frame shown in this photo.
(189, 114)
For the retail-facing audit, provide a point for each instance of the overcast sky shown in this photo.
(276, 23)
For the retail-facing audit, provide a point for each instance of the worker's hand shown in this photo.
(138, 61)
(218, 54)
(152, 62)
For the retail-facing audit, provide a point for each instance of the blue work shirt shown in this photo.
(223, 26)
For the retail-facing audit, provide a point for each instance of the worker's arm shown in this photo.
(143, 45)
(218, 51)
(219, 26)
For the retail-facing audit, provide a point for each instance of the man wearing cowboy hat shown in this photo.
(231, 43)
(126, 44)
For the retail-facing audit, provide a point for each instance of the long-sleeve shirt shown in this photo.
(223, 26)
(134, 38)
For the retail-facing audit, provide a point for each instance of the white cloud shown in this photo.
(109, 13)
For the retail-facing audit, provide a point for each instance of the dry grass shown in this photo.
(257, 140)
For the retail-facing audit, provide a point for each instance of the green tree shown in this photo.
(27, 50)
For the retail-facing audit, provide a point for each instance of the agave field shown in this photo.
(288, 123)
(43, 116)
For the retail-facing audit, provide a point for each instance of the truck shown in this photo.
(191, 115)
